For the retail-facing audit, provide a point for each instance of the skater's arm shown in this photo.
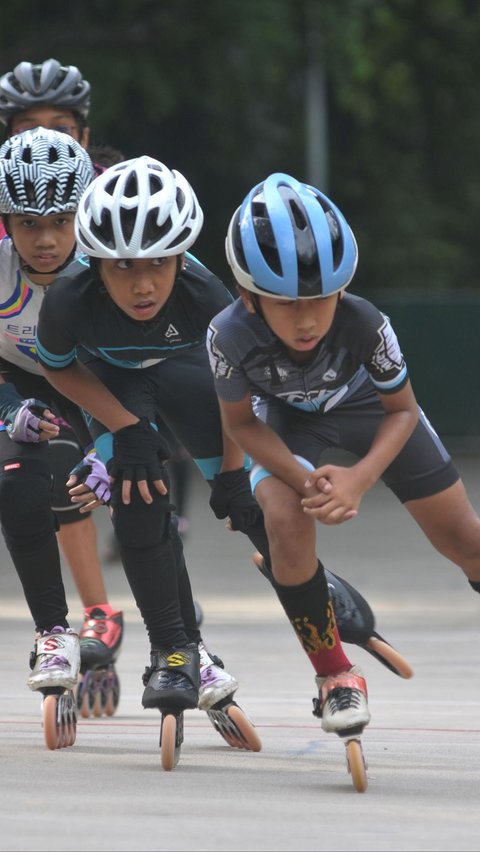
(137, 447)
(261, 443)
(340, 489)
(80, 385)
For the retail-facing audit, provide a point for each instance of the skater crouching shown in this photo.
(301, 366)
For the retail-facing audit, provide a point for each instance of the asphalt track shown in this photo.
(108, 792)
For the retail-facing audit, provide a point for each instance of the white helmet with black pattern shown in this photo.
(43, 172)
(138, 209)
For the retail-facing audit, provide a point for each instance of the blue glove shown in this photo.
(232, 496)
(92, 472)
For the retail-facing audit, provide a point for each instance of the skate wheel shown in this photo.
(248, 738)
(51, 729)
(85, 705)
(356, 765)
(168, 738)
(71, 733)
(390, 656)
(98, 704)
(113, 696)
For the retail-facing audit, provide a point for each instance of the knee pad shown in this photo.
(25, 498)
(65, 453)
(140, 524)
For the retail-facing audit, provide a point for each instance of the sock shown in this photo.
(310, 611)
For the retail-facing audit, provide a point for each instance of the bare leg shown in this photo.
(451, 524)
(78, 543)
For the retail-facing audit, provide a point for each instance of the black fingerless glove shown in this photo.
(232, 496)
(138, 453)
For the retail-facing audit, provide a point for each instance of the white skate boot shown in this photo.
(215, 683)
(57, 660)
(343, 702)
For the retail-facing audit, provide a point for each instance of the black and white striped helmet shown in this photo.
(47, 82)
(43, 172)
(138, 209)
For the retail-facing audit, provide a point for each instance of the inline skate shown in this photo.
(55, 662)
(217, 688)
(98, 690)
(355, 621)
(342, 707)
(172, 684)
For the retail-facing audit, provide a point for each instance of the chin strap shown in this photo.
(25, 267)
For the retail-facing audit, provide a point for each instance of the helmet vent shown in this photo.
(12, 189)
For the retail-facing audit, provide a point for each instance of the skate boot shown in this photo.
(101, 637)
(343, 709)
(55, 662)
(171, 685)
(217, 688)
(172, 680)
(215, 683)
(355, 620)
(342, 703)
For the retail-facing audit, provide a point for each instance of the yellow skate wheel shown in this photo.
(168, 742)
(356, 765)
(248, 738)
(51, 729)
(383, 649)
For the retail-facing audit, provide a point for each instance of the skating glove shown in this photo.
(92, 472)
(138, 453)
(21, 416)
(232, 497)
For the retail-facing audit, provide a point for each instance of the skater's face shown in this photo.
(299, 323)
(43, 242)
(141, 287)
(51, 117)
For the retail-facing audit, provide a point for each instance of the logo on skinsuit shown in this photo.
(311, 640)
(177, 659)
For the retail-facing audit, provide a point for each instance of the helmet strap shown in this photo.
(25, 267)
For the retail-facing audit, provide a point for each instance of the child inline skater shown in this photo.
(33, 166)
(130, 349)
(57, 97)
(300, 366)
(42, 177)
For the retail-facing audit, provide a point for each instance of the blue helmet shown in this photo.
(289, 241)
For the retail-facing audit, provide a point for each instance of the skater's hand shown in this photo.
(334, 494)
(138, 455)
(32, 422)
(232, 496)
(89, 483)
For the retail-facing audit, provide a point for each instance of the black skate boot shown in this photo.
(172, 680)
(355, 620)
(101, 636)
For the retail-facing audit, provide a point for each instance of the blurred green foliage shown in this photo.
(216, 89)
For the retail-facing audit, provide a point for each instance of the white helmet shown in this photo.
(43, 172)
(137, 209)
(47, 82)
